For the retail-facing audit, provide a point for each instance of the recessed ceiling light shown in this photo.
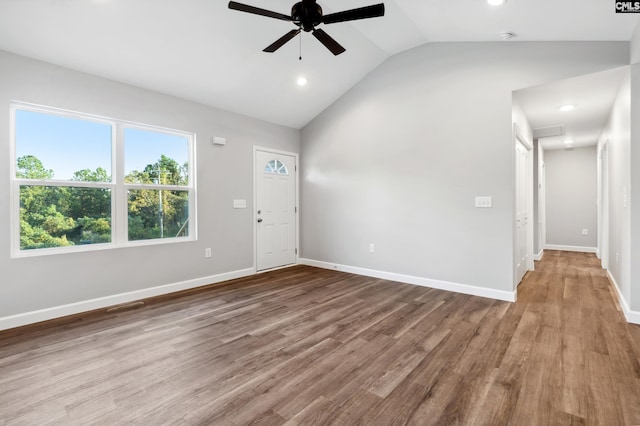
(568, 107)
(496, 2)
(302, 81)
(568, 142)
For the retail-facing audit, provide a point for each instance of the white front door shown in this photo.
(275, 209)
(521, 212)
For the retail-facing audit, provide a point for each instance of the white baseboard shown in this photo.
(538, 256)
(632, 316)
(509, 296)
(116, 299)
(578, 249)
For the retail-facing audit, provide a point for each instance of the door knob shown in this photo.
(259, 219)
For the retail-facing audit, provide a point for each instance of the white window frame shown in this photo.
(119, 189)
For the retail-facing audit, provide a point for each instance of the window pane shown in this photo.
(158, 214)
(54, 216)
(155, 157)
(51, 146)
(276, 167)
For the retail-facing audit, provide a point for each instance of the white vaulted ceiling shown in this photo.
(202, 51)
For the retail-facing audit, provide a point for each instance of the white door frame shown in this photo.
(519, 138)
(542, 202)
(255, 203)
(603, 204)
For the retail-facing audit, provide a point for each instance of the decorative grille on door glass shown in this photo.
(276, 167)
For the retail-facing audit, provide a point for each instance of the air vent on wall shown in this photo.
(548, 132)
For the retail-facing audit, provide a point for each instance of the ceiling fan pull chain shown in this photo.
(300, 58)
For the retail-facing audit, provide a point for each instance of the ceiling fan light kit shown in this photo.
(307, 15)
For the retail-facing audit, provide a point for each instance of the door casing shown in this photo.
(603, 205)
(519, 139)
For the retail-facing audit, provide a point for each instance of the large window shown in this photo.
(82, 182)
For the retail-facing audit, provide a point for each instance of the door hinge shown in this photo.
(296, 251)
(295, 168)
(295, 209)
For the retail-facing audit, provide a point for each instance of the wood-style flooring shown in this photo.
(306, 346)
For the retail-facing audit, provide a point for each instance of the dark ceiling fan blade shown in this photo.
(353, 14)
(281, 41)
(257, 11)
(328, 41)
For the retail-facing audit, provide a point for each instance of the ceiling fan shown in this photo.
(306, 15)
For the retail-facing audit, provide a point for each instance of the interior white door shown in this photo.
(275, 210)
(521, 212)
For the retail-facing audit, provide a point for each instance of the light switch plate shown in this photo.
(484, 202)
(239, 204)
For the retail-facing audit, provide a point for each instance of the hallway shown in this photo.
(584, 357)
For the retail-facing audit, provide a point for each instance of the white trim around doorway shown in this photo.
(257, 148)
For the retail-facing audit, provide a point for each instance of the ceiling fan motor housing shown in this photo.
(306, 16)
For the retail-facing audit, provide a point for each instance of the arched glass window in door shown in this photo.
(276, 167)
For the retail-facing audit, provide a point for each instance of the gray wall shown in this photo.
(634, 177)
(617, 132)
(630, 95)
(224, 173)
(398, 160)
(572, 191)
(633, 211)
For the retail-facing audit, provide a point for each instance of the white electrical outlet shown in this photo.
(585, 231)
(484, 202)
(207, 252)
(372, 248)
